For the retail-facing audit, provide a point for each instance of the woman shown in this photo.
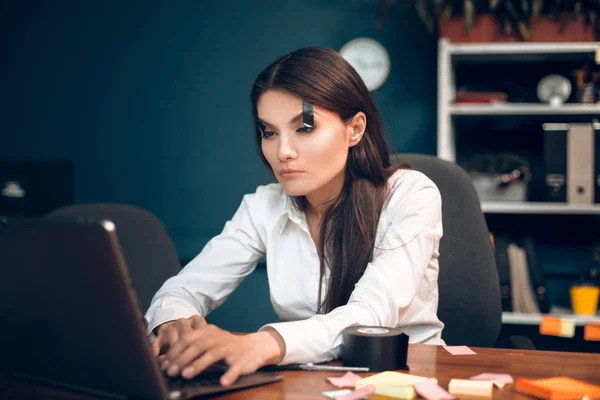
(349, 239)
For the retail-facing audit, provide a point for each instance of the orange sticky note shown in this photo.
(560, 387)
(551, 326)
(591, 331)
(554, 326)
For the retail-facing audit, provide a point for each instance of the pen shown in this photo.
(313, 367)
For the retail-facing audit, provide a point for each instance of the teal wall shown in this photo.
(150, 101)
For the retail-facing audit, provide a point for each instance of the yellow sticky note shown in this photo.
(568, 328)
(468, 387)
(393, 384)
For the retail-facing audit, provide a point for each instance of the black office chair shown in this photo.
(148, 250)
(469, 289)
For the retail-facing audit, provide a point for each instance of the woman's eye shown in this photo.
(305, 129)
(268, 134)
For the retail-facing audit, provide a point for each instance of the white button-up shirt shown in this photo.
(399, 287)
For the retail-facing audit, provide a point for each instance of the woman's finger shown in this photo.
(232, 374)
(156, 346)
(184, 341)
(182, 358)
(198, 365)
(169, 337)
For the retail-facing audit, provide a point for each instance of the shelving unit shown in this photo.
(452, 56)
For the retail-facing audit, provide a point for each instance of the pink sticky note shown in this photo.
(358, 394)
(432, 391)
(499, 379)
(348, 380)
(459, 350)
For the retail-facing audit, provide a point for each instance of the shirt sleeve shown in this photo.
(383, 294)
(206, 282)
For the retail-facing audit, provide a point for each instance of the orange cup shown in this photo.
(584, 299)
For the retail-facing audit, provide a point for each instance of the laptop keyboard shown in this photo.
(207, 378)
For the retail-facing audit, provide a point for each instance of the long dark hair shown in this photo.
(321, 76)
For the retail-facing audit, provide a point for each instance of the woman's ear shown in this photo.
(357, 128)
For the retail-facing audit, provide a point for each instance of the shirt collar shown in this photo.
(291, 213)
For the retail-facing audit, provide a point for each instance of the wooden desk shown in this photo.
(424, 360)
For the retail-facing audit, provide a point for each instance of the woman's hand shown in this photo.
(169, 333)
(199, 348)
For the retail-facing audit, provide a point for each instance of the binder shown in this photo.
(555, 161)
(538, 283)
(580, 164)
(596, 127)
(523, 298)
(501, 242)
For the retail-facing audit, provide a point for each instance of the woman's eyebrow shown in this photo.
(292, 121)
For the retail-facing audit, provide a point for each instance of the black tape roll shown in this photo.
(376, 347)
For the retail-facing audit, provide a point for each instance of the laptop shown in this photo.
(70, 316)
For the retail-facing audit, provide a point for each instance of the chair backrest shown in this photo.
(469, 288)
(149, 252)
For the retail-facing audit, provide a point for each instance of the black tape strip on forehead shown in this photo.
(308, 116)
